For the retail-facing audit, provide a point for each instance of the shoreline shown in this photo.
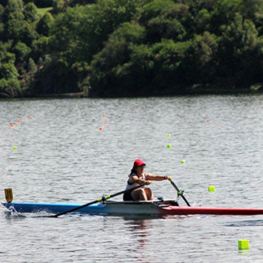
(192, 92)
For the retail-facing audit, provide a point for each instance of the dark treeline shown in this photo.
(130, 48)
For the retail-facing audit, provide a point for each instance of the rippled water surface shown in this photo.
(63, 156)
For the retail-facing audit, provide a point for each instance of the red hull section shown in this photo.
(181, 210)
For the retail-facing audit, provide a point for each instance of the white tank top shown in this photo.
(129, 186)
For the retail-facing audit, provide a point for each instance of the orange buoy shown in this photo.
(106, 123)
(100, 128)
(218, 127)
(30, 118)
(12, 125)
(207, 121)
(19, 121)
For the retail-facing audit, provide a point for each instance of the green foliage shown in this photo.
(3, 85)
(168, 59)
(40, 3)
(112, 61)
(8, 71)
(161, 27)
(2, 10)
(2, 30)
(10, 88)
(41, 46)
(129, 48)
(58, 5)
(223, 13)
(202, 21)
(22, 51)
(13, 88)
(30, 12)
(201, 59)
(14, 6)
(9, 84)
(13, 10)
(32, 68)
(81, 2)
(237, 51)
(154, 9)
(80, 32)
(45, 23)
(20, 31)
(165, 19)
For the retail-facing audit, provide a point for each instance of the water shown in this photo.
(62, 156)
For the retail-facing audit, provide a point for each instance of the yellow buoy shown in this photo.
(243, 244)
(211, 188)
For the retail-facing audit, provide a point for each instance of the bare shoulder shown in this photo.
(133, 178)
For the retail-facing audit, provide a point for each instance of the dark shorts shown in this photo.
(127, 197)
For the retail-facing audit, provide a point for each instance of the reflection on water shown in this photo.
(139, 230)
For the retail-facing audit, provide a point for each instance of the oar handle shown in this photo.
(103, 198)
(179, 192)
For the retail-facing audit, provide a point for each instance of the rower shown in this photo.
(137, 177)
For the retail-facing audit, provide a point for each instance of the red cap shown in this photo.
(138, 162)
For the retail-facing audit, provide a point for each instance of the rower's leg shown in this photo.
(139, 194)
(149, 194)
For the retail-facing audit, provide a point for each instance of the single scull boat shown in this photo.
(167, 207)
(103, 206)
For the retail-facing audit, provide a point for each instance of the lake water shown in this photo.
(63, 156)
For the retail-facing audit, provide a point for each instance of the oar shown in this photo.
(103, 198)
(180, 193)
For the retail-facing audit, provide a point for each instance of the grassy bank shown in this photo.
(42, 11)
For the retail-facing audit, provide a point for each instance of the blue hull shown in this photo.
(110, 207)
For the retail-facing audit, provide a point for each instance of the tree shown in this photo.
(13, 7)
(237, 52)
(58, 5)
(201, 59)
(223, 14)
(30, 12)
(111, 67)
(41, 47)
(8, 71)
(202, 21)
(162, 27)
(168, 59)
(21, 50)
(44, 24)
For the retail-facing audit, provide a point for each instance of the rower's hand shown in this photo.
(148, 182)
(169, 178)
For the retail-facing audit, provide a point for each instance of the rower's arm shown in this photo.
(136, 179)
(153, 177)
